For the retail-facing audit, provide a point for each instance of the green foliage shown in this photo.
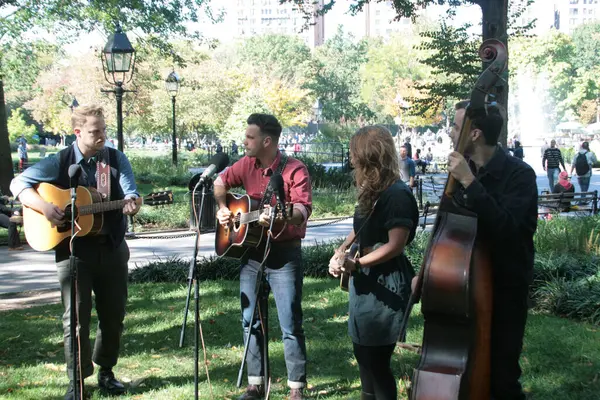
(568, 235)
(586, 44)
(281, 57)
(176, 270)
(388, 64)
(320, 177)
(335, 77)
(577, 299)
(315, 259)
(560, 357)
(455, 63)
(160, 171)
(17, 126)
(252, 101)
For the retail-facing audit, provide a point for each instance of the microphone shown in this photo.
(217, 164)
(277, 185)
(74, 174)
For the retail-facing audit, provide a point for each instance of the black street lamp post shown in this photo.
(117, 60)
(172, 86)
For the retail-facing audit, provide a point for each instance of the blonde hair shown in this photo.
(375, 164)
(81, 113)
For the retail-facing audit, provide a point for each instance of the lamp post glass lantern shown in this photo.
(118, 58)
(172, 86)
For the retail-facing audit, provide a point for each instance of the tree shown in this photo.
(282, 57)
(494, 21)
(391, 69)
(586, 44)
(156, 20)
(17, 126)
(334, 77)
(455, 67)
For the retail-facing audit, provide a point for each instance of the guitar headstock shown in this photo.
(159, 198)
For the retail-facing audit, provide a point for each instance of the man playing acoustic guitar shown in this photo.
(284, 270)
(101, 259)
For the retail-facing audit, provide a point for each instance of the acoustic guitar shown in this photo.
(350, 254)
(42, 235)
(244, 232)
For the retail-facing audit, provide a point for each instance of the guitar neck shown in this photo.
(96, 208)
(249, 217)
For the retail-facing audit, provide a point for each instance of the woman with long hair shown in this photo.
(386, 218)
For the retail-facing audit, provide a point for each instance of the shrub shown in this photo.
(316, 264)
(550, 266)
(568, 235)
(578, 299)
(176, 270)
(320, 177)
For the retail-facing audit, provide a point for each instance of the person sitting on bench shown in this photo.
(566, 187)
(9, 218)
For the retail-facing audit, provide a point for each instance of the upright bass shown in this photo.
(455, 280)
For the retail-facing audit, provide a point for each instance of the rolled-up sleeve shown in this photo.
(232, 176)
(301, 191)
(126, 178)
(47, 170)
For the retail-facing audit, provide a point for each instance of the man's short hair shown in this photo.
(81, 113)
(490, 122)
(268, 124)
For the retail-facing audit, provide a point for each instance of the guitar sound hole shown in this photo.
(236, 222)
(67, 225)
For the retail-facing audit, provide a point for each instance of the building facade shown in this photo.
(259, 17)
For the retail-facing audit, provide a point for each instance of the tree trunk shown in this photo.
(6, 165)
(494, 23)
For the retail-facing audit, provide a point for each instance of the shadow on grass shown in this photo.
(560, 359)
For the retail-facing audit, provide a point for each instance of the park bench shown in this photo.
(585, 203)
(582, 203)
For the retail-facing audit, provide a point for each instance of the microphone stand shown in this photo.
(73, 317)
(261, 302)
(192, 277)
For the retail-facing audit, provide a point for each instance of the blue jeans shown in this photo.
(584, 183)
(284, 275)
(552, 177)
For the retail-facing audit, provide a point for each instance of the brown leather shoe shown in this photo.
(253, 392)
(297, 394)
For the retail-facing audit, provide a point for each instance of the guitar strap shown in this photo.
(269, 189)
(356, 235)
(103, 174)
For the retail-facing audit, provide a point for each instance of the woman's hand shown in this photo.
(335, 267)
(349, 265)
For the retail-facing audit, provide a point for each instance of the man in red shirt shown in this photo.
(284, 271)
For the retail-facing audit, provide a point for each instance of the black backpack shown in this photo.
(581, 164)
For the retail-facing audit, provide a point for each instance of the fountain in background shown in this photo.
(526, 117)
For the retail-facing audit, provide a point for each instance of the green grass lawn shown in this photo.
(561, 359)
